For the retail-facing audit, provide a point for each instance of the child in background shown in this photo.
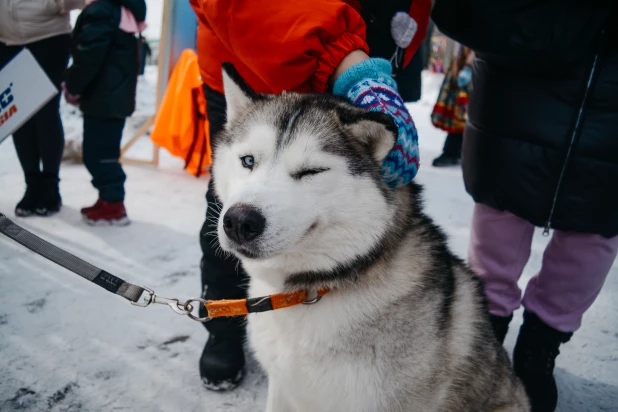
(102, 81)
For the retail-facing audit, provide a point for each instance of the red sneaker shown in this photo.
(96, 206)
(107, 214)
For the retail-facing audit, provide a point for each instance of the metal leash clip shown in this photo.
(149, 296)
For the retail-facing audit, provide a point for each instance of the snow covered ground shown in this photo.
(67, 345)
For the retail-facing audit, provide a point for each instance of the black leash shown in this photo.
(71, 262)
(138, 295)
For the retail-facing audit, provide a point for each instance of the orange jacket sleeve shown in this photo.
(288, 45)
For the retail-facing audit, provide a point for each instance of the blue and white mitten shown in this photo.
(369, 85)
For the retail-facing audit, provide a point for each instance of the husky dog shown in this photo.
(404, 326)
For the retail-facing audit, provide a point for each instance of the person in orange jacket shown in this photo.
(319, 47)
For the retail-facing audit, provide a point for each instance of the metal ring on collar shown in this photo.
(189, 308)
(312, 301)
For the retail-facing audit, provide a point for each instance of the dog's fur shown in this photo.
(405, 325)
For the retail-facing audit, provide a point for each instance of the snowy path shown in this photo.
(66, 345)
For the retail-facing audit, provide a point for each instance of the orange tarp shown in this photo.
(181, 125)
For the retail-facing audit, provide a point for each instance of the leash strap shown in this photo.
(71, 262)
(141, 296)
(239, 307)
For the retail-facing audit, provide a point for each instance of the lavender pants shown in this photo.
(574, 268)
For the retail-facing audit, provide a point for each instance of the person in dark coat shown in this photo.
(540, 149)
(103, 81)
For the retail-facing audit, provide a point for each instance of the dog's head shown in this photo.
(299, 179)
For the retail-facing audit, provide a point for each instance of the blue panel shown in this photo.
(180, 34)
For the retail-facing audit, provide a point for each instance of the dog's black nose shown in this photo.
(243, 223)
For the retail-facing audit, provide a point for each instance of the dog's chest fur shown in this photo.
(341, 354)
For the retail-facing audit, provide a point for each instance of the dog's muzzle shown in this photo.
(243, 223)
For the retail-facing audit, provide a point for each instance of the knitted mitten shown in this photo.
(369, 85)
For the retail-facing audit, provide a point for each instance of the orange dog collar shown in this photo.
(239, 307)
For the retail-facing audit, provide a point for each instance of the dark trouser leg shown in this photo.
(27, 148)
(41, 139)
(222, 277)
(452, 145)
(101, 151)
(53, 55)
(222, 361)
(451, 153)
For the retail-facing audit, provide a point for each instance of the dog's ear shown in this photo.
(375, 130)
(238, 94)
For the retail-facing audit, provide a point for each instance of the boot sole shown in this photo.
(447, 164)
(46, 212)
(225, 385)
(24, 212)
(116, 222)
(36, 212)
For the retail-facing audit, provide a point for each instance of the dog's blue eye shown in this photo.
(247, 161)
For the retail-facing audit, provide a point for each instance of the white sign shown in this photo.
(24, 89)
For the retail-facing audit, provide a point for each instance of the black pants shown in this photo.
(101, 151)
(40, 141)
(452, 145)
(222, 278)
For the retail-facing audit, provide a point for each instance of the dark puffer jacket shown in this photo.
(542, 136)
(105, 59)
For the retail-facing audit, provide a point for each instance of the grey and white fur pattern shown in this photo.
(405, 325)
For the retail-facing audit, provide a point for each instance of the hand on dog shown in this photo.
(369, 85)
(71, 99)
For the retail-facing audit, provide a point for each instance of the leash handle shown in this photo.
(71, 262)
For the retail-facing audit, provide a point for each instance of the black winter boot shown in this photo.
(534, 360)
(28, 204)
(49, 201)
(500, 325)
(222, 365)
(451, 153)
(445, 160)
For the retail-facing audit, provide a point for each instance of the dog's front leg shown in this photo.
(277, 401)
